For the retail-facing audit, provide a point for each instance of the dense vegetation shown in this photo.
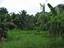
(51, 22)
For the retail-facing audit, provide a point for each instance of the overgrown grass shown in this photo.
(30, 39)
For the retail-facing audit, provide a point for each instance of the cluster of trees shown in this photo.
(22, 20)
(52, 21)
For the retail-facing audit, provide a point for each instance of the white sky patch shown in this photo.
(31, 6)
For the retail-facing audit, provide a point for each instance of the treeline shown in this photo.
(52, 21)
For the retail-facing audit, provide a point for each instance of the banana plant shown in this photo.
(52, 9)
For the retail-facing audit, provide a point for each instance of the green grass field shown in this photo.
(30, 39)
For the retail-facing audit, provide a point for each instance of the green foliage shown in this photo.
(3, 10)
(32, 33)
(42, 20)
(31, 39)
(52, 9)
(49, 21)
(56, 25)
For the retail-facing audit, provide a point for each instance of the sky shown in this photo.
(31, 6)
